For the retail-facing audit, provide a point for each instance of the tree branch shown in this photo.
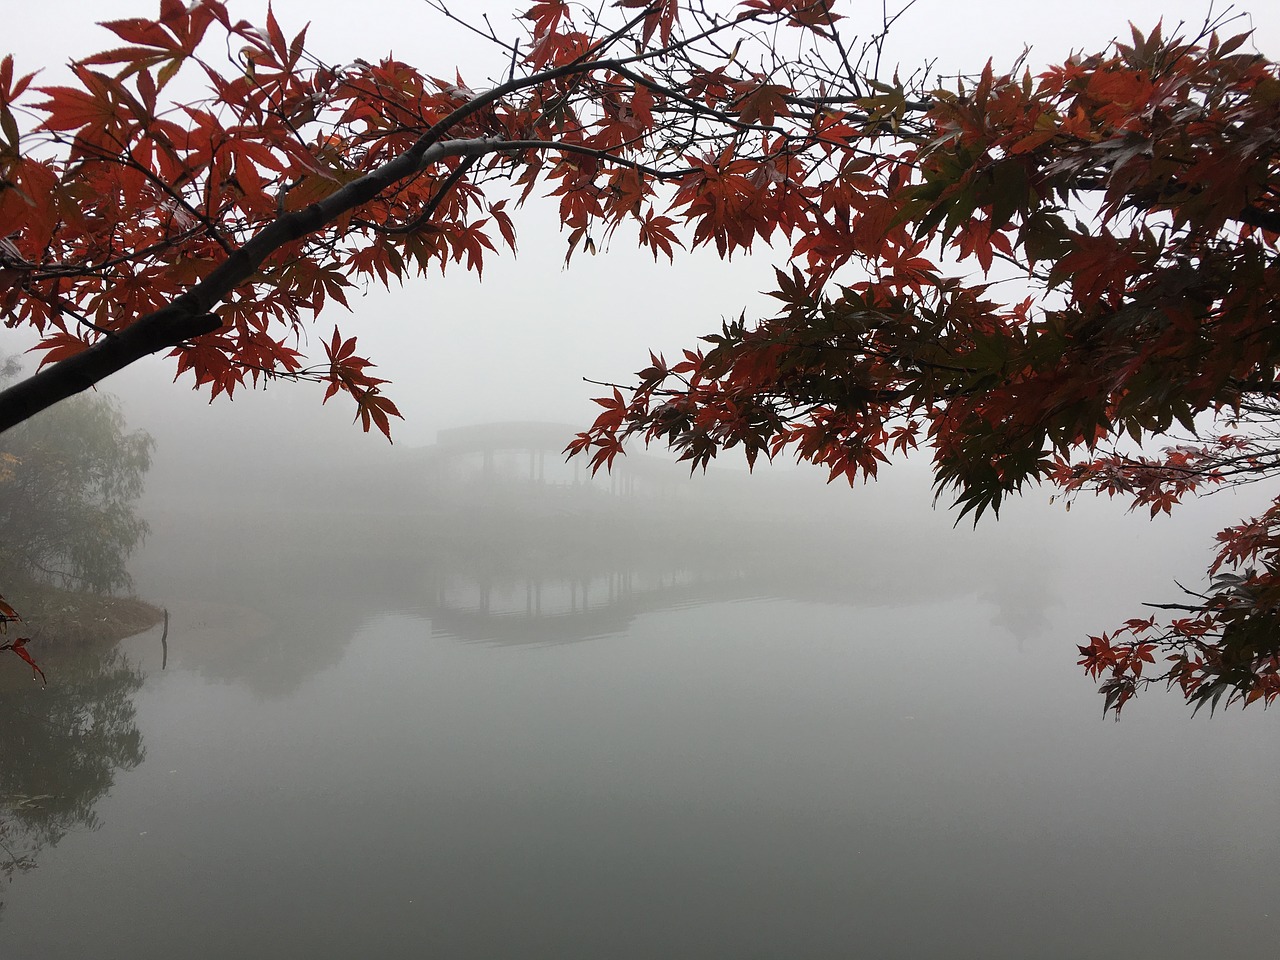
(190, 315)
(1266, 219)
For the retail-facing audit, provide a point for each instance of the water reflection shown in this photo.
(492, 541)
(61, 749)
(539, 564)
(863, 765)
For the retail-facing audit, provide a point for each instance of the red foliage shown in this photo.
(1134, 192)
(9, 615)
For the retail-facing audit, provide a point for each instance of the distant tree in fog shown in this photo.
(69, 479)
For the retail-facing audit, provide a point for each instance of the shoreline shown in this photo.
(53, 617)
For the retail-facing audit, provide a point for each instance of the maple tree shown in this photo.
(1131, 195)
(1135, 194)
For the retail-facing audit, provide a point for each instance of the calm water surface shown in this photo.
(500, 748)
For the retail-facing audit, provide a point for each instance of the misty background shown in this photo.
(420, 699)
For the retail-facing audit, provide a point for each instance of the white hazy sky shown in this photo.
(517, 345)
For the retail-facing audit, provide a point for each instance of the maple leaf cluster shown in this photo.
(18, 645)
(218, 228)
(1135, 196)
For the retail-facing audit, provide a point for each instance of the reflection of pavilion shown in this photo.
(519, 547)
(526, 547)
(548, 611)
(550, 598)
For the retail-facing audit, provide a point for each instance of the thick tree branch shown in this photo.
(191, 314)
(1266, 219)
(163, 328)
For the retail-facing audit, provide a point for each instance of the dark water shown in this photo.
(488, 732)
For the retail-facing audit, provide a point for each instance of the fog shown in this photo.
(453, 696)
(459, 699)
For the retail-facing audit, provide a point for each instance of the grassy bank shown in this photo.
(57, 617)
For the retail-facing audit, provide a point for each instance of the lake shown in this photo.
(543, 721)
